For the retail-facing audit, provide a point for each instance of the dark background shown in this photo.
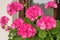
(58, 10)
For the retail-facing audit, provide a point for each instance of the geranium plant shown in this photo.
(34, 26)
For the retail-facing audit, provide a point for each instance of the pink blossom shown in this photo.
(46, 23)
(26, 31)
(17, 22)
(13, 7)
(51, 4)
(7, 28)
(3, 20)
(33, 12)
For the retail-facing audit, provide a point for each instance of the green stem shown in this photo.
(50, 35)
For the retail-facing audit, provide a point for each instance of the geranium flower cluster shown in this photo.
(13, 7)
(24, 30)
(51, 4)
(17, 22)
(33, 12)
(46, 23)
(4, 20)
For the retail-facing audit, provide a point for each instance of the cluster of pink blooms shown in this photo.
(3, 21)
(33, 12)
(24, 30)
(17, 22)
(46, 23)
(51, 4)
(13, 7)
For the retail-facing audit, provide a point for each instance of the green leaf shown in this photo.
(14, 31)
(9, 39)
(58, 36)
(39, 17)
(27, 39)
(42, 34)
(37, 38)
(28, 21)
(17, 38)
(48, 38)
(9, 35)
(54, 31)
(37, 29)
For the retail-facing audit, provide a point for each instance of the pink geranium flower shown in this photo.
(26, 31)
(33, 12)
(3, 20)
(51, 4)
(13, 7)
(17, 22)
(46, 23)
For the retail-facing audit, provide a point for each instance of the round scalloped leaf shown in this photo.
(58, 36)
(48, 38)
(42, 34)
(54, 31)
(17, 38)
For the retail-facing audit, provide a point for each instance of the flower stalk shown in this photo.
(50, 35)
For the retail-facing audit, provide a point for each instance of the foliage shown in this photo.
(41, 34)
